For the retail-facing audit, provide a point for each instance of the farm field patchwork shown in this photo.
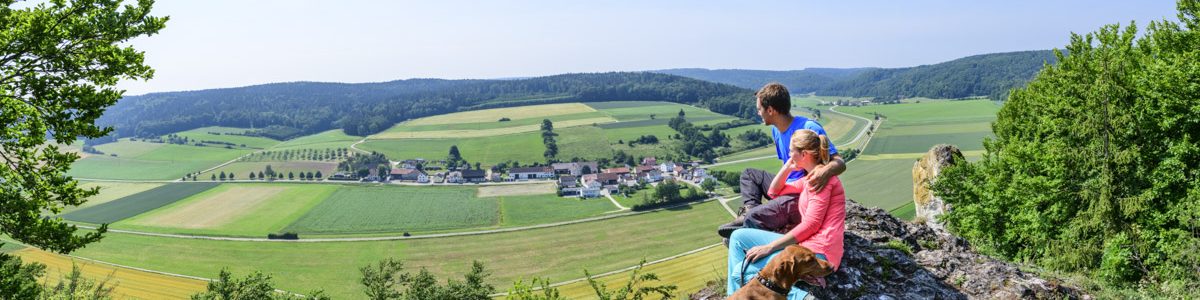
(110, 191)
(139, 203)
(558, 253)
(236, 209)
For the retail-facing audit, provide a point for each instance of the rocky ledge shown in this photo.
(886, 258)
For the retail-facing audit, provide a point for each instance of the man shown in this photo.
(774, 106)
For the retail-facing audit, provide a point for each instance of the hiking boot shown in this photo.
(725, 230)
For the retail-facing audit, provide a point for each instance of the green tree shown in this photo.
(256, 286)
(319, 174)
(709, 185)
(61, 63)
(252, 176)
(547, 125)
(291, 176)
(19, 281)
(637, 287)
(454, 155)
(222, 176)
(1096, 164)
(214, 177)
(260, 175)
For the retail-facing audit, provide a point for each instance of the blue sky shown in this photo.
(212, 44)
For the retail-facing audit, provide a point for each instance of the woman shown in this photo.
(822, 224)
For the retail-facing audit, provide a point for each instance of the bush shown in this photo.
(283, 236)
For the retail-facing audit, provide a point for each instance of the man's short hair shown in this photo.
(775, 95)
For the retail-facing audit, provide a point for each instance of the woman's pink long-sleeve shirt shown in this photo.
(823, 217)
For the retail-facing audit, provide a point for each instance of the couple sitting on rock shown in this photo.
(797, 234)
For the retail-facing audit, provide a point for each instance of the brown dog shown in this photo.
(781, 273)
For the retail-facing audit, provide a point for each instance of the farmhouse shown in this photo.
(531, 173)
(652, 175)
(619, 171)
(567, 181)
(649, 161)
(666, 167)
(575, 168)
(454, 177)
(474, 176)
(409, 175)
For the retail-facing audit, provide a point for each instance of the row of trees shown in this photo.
(299, 154)
(694, 142)
(548, 139)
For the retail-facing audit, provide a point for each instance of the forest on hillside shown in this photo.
(990, 75)
(286, 110)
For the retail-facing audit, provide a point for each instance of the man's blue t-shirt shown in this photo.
(782, 139)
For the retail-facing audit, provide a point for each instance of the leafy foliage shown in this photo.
(61, 62)
(255, 286)
(1096, 164)
(387, 280)
(634, 289)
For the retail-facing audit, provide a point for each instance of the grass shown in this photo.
(635, 198)
(126, 283)
(559, 253)
(906, 212)
(641, 110)
(150, 161)
(886, 143)
(543, 209)
(364, 209)
(771, 165)
(523, 147)
(885, 183)
(967, 111)
(769, 150)
(483, 132)
(139, 203)
(495, 123)
(110, 191)
(279, 208)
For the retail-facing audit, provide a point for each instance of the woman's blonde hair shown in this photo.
(807, 139)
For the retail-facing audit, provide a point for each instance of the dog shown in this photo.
(784, 270)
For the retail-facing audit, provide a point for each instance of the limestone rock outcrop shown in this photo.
(925, 170)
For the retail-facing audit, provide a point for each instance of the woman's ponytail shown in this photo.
(823, 154)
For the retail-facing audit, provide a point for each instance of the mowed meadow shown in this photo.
(332, 210)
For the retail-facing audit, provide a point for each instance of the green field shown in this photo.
(559, 253)
(523, 147)
(771, 165)
(544, 209)
(366, 209)
(137, 160)
(139, 203)
(223, 210)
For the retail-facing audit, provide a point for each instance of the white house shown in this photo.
(531, 173)
(590, 189)
(650, 176)
(698, 174)
(666, 167)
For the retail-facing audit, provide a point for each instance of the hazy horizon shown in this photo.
(222, 44)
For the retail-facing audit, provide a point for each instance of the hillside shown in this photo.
(300, 108)
(990, 75)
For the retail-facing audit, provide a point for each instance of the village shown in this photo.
(573, 179)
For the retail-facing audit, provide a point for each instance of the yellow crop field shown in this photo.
(469, 133)
(130, 283)
(515, 113)
(689, 273)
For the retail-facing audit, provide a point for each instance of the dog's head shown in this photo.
(794, 262)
